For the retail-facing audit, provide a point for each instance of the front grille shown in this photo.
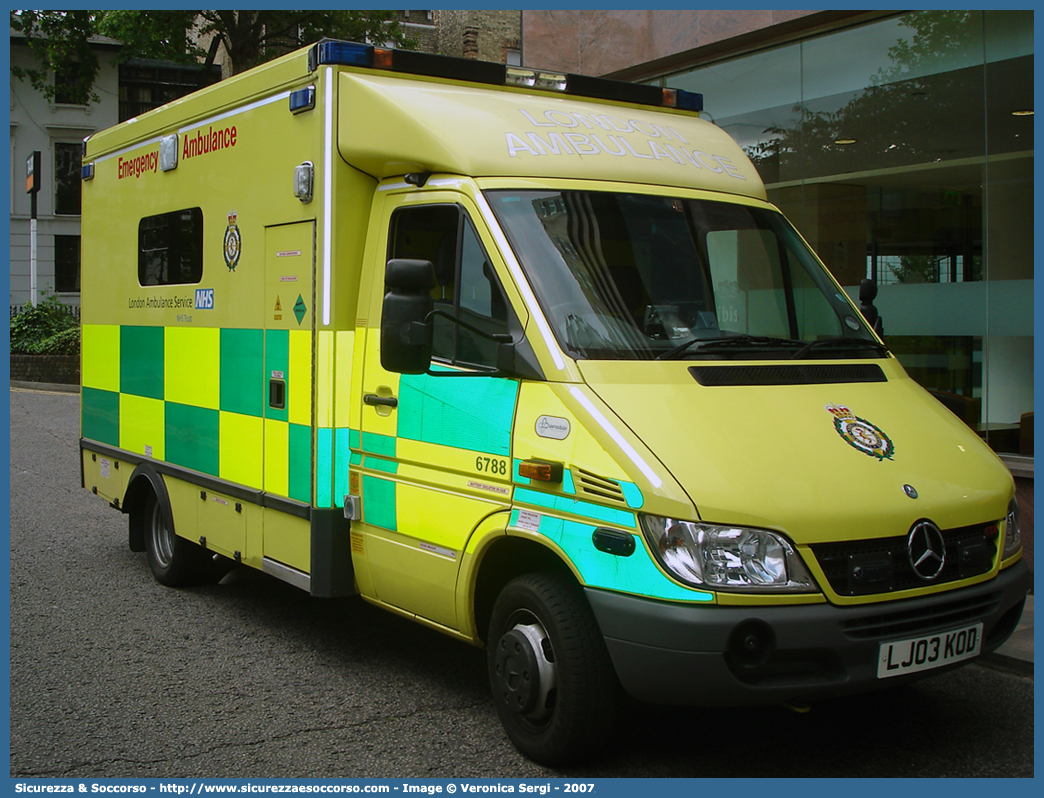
(899, 622)
(812, 374)
(882, 565)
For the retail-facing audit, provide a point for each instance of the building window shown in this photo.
(67, 179)
(903, 150)
(170, 248)
(145, 86)
(66, 264)
(68, 89)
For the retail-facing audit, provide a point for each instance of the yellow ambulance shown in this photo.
(529, 358)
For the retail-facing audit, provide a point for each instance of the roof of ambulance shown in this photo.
(389, 124)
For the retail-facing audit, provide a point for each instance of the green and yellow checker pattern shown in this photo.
(198, 398)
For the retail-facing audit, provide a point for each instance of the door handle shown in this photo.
(380, 401)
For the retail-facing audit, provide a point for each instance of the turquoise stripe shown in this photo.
(380, 464)
(379, 502)
(324, 467)
(567, 504)
(300, 465)
(632, 495)
(567, 483)
(375, 443)
(473, 413)
(342, 459)
(636, 574)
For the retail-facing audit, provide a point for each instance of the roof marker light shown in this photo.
(517, 76)
(343, 53)
(554, 81)
(682, 100)
(339, 53)
(535, 79)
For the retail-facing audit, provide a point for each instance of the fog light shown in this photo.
(751, 643)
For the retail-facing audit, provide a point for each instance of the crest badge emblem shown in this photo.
(233, 242)
(861, 434)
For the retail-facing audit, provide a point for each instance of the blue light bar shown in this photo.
(342, 53)
(302, 100)
(87, 171)
(690, 101)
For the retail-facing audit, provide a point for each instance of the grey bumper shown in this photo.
(712, 655)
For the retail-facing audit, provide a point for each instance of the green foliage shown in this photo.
(60, 40)
(887, 116)
(47, 329)
(918, 268)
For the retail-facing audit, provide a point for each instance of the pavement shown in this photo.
(1015, 655)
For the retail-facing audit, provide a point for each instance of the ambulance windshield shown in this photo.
(636, 276)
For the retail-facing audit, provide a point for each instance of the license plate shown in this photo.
(932, 651)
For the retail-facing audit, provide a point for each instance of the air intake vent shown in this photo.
(596, 487)
(788, 375)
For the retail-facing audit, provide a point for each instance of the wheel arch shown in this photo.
(145, 480)
(507, 557)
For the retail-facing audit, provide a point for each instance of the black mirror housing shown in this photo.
(406, 331)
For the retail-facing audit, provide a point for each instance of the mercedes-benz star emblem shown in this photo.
(927, 550)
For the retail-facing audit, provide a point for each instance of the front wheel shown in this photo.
(553, 682)
(174, 561)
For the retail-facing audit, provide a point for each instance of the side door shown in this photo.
(287, 369)
(435, 450)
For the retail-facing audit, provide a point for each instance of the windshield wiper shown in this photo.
(840, 343)
(727, 340)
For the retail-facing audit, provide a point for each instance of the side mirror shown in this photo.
(405, 329)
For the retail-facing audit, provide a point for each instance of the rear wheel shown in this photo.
(553, 682)
(174, 561)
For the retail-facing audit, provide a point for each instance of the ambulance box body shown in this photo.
(530, 359)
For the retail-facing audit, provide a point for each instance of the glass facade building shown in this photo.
(902, 150)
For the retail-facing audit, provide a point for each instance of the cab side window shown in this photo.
(467, 286)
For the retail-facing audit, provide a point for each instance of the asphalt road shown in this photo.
(114, 675)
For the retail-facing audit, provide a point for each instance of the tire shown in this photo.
(553, 683)
(174, 561)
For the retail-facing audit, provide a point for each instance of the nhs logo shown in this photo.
(204, 299)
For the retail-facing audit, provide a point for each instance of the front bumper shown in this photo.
(694, 655)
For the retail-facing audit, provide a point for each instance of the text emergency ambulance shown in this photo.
(526, 357)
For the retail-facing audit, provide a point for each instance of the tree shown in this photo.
(61, 40)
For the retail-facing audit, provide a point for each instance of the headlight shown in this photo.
(1012, 533)
(726, 557)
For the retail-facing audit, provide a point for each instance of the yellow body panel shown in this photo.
(100, 365)
(277, 479)
(242, 449)
(191, 366)
(142, 425)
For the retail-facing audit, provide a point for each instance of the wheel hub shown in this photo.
(524, 674)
